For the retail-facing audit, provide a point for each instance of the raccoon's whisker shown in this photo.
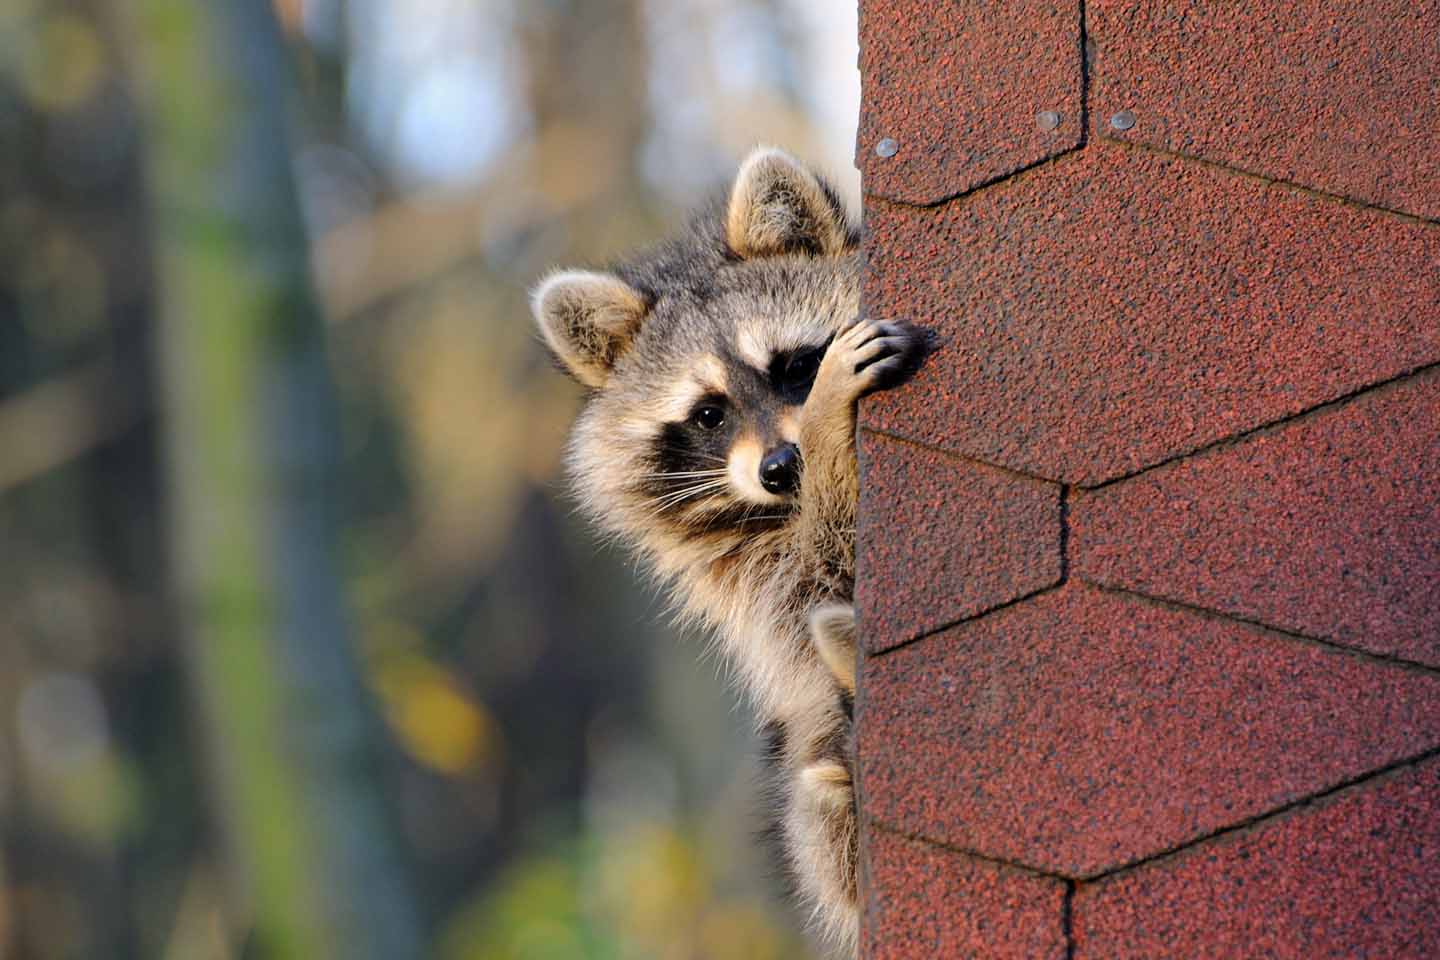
(761, 518)
(685, 473)
(697, 496)
(676, 497)
(710, 522)
(673, 501)
(671, 448)
(708, 484)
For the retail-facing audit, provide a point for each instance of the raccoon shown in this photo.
(718, 443)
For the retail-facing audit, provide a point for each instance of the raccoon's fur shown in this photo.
(718, 443)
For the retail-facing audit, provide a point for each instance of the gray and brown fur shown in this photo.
(763, 287)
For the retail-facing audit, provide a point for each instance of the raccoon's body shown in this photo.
(718, 443)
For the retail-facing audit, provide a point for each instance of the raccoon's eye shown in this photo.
(708, 417)
(802, 367)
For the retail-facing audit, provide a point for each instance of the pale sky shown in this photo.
(431, 84)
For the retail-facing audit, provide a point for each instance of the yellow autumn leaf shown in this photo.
(437, 723)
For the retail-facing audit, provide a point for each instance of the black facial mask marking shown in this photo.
(686, 450)
(792, 372)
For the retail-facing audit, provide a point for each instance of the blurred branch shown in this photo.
(198, 932)
(53, 423)
(416, 238)
(248, 412)
(406, 242)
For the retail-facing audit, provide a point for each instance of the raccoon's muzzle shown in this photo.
(780, 470)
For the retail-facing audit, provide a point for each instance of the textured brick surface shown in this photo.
(930, 903)
(1081, 730)
(1115, 308)
(1328, 526)
(941, 539)
(958, 85)
(1357, 875)
(1332, 94)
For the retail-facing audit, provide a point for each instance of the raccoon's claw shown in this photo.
(889, 356)
(872, 355)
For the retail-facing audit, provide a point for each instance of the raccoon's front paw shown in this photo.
(868, 355)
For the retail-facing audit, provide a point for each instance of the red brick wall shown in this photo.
(1150, 550)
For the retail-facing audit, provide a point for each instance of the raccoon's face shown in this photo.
(700, 374)
(721, 390)
(740, 433)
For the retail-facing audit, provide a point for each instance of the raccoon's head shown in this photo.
(701, 354)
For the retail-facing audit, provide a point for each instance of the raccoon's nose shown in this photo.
(780, 470)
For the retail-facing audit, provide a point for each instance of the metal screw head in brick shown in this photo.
(1123, 120)
(1047, 119)
(887, 148)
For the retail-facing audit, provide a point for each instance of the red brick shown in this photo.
(959, 86)
(1335, 95)
(1081, 730)
(1328, 526)
(1114, 308)
(1355, 876)
(941, 539)
(927, 903)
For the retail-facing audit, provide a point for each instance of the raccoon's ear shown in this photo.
(588, 319)
(778, 206)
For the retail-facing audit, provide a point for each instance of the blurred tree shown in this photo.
(97, 820)
(251, 440)
(567, 776)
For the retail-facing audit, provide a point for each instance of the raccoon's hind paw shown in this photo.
(824, 849)
(832, 631)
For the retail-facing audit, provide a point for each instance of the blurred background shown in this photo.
(302, 651)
